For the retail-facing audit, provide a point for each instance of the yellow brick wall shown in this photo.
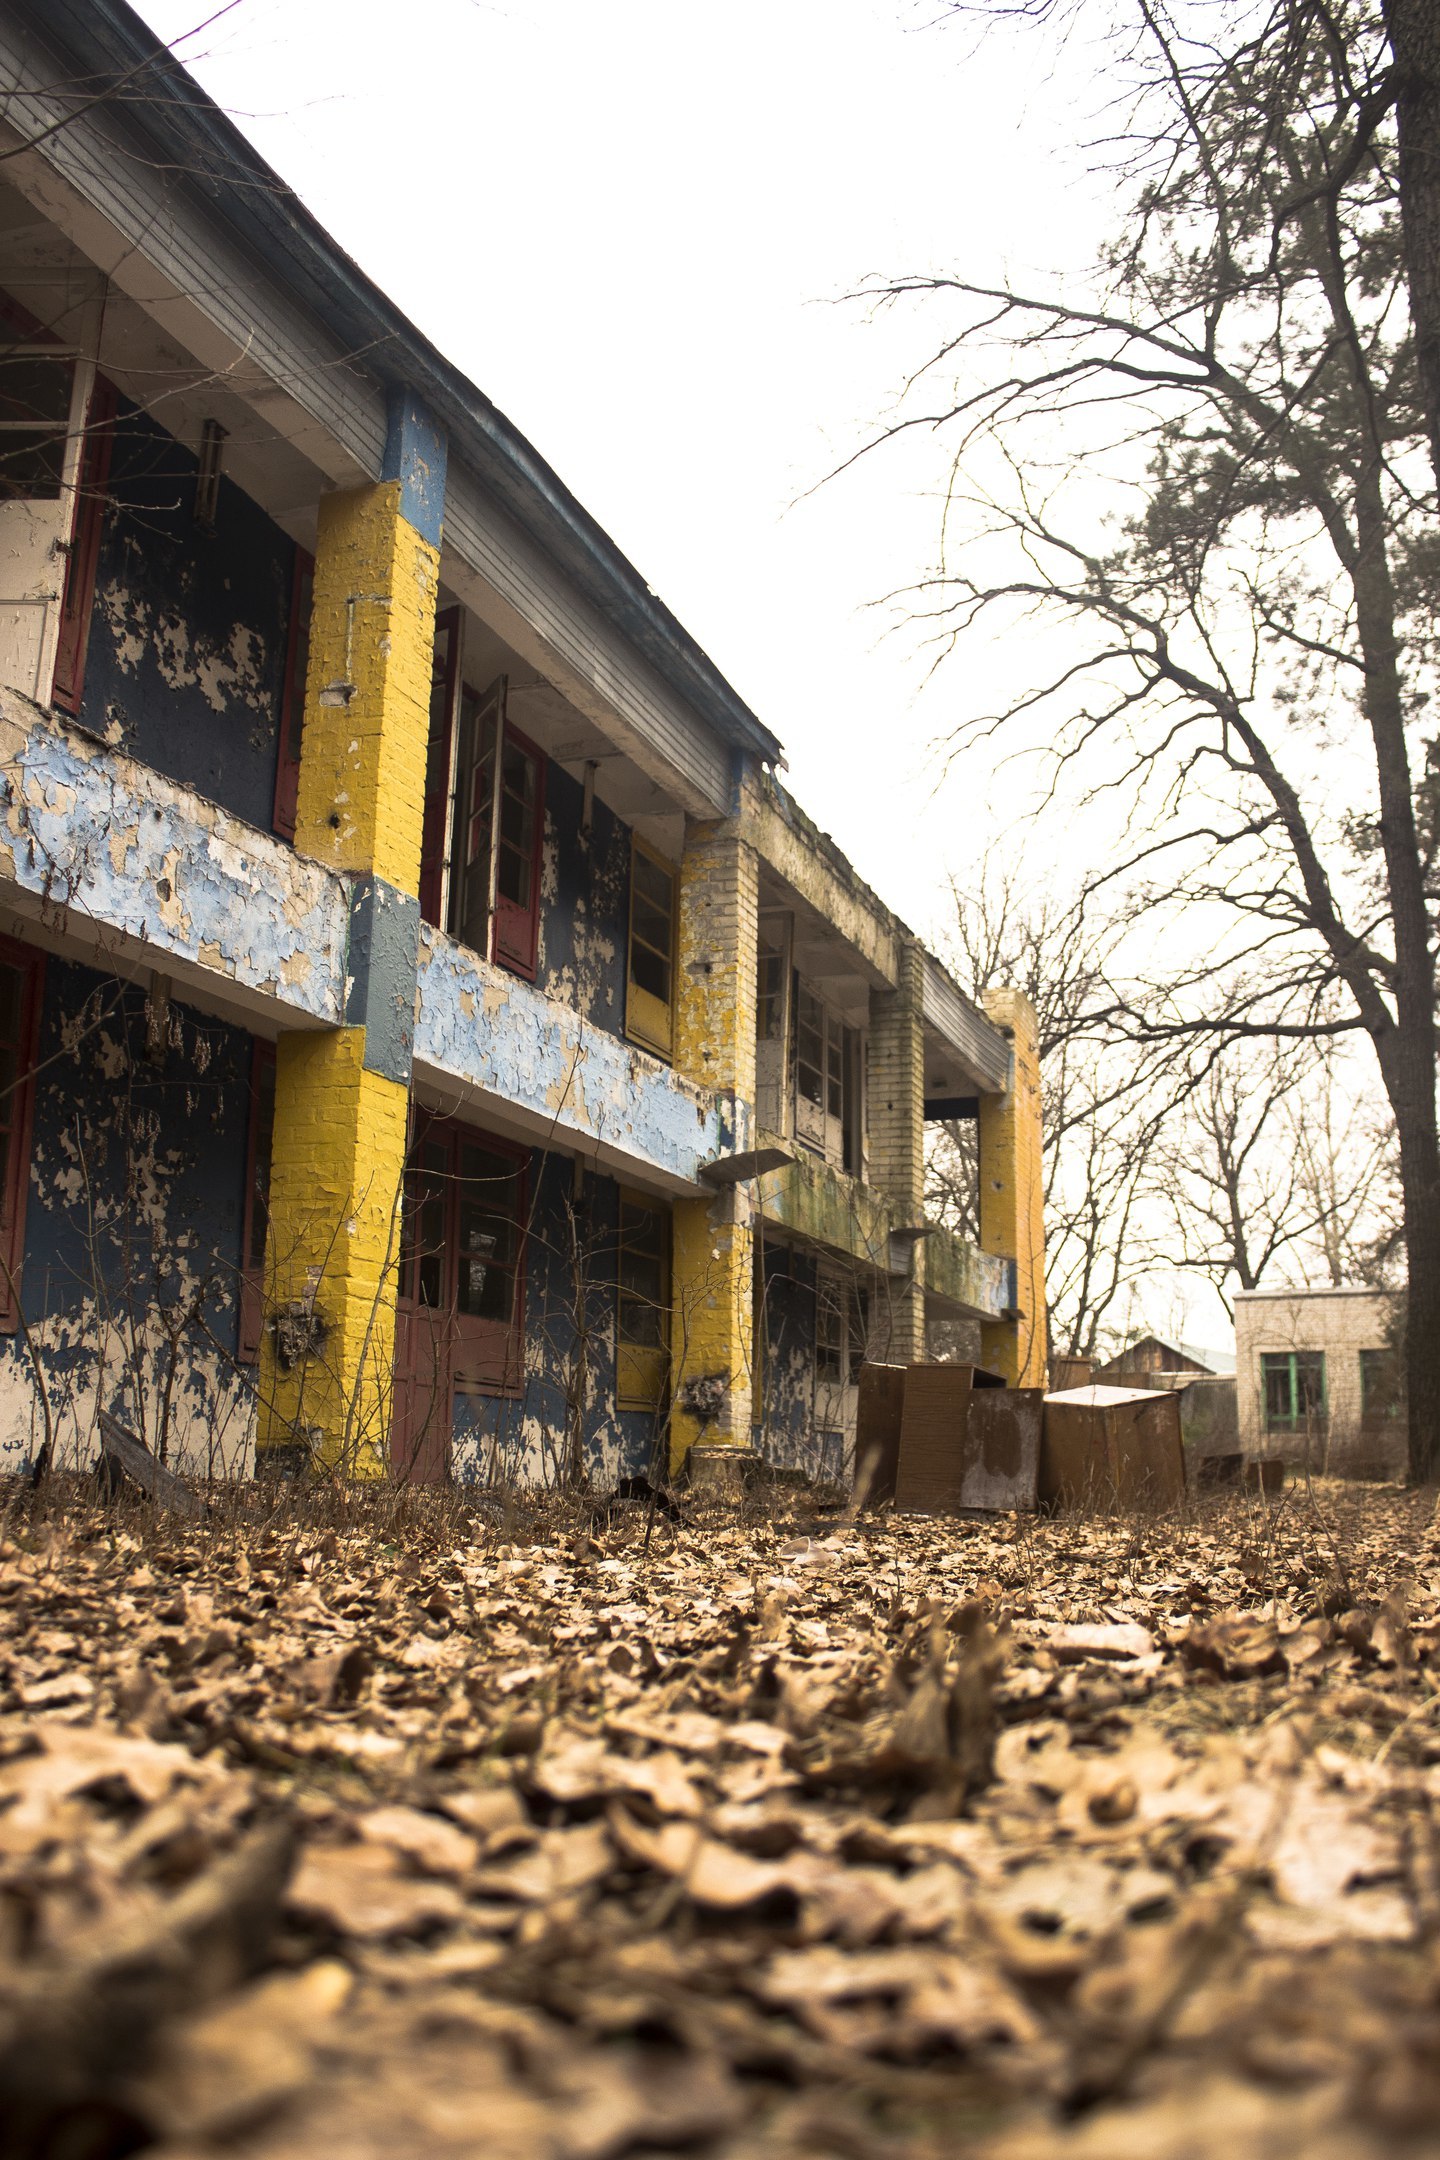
(340, 1131)
(712, 1273)
(1012, 1195)
(339, 1152)
(895, 1108)
(372, 630)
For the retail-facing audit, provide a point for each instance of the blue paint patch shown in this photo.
(133, 1228)
(415, 455)
(89, 833)
(188, 632)
(380, 984)
(489, 1034)
(564, 1421)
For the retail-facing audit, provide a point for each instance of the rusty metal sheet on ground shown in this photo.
(1001, 1458)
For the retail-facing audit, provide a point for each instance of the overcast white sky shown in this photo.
(629, 223)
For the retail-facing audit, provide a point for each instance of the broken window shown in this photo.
(772, 1022)
(642, 1318)
(35, 393)
(830, 1347)
(1382, 1389)
(498, 834)
(826, 1081)
(20, 979)
(1294, 1383)
(650, 969)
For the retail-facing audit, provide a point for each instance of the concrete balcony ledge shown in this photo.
(133, 869)
(492, 1045)
(826, 1208)
(961, 1277)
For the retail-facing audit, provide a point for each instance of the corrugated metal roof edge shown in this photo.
(99, 40)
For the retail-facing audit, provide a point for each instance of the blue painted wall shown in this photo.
(135, 1201)
(525, 1438)
(188, 633)
(584, 905)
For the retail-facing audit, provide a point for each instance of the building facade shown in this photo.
(435, 1042)
(1319, 1379)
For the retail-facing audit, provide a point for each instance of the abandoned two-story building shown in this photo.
(432, 1037)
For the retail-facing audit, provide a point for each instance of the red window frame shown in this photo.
(487, 1354)
(258, 1141)
(292, 703)
(510, 934)
(17, 1115)
(77, 604)
(445, 668)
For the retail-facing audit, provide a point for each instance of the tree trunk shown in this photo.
(1410, 1083)
(1414, 30)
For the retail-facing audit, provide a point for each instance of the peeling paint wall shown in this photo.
(584, 905)
(570, 1309)
(481, 1027)
(134, 1221)
(189, 628)
(85, 831)
(806, 1424)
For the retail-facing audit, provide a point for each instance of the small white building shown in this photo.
(1319, 1379)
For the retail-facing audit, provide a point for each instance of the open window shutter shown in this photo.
(518, 852)
(439, 760)
(78, 601)
(481, 719)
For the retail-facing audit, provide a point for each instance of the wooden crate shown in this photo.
(932, 1437)
(879, 1406)
(1106, 1447)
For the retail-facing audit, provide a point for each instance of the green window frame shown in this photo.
(1293, 1389)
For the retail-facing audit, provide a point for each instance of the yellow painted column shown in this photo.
(713, 1261)
(1012, 1196)
(895, 1101)
(342, 1097)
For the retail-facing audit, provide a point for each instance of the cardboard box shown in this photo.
(1108, 1447)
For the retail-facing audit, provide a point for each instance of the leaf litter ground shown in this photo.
(374, 1824)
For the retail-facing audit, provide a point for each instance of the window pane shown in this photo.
(651, 927)
(1381, 1392)
(650, 973)
(513, 876)
(829, 1330)
(33, 387)
(422, 1229)
(1309, 1382)
(489, 1228)
(654, 885)
(1275, 1371)
(12, 1003)
(264, 1150)
(32, 464)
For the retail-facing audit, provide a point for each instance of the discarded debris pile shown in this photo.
(895, 1838)
(941, 1438)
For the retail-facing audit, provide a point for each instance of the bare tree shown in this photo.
(1104, 1103)
(1239, 543)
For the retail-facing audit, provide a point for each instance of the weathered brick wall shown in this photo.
(1340, 1323)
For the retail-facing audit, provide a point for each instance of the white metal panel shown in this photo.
(978, 1043)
